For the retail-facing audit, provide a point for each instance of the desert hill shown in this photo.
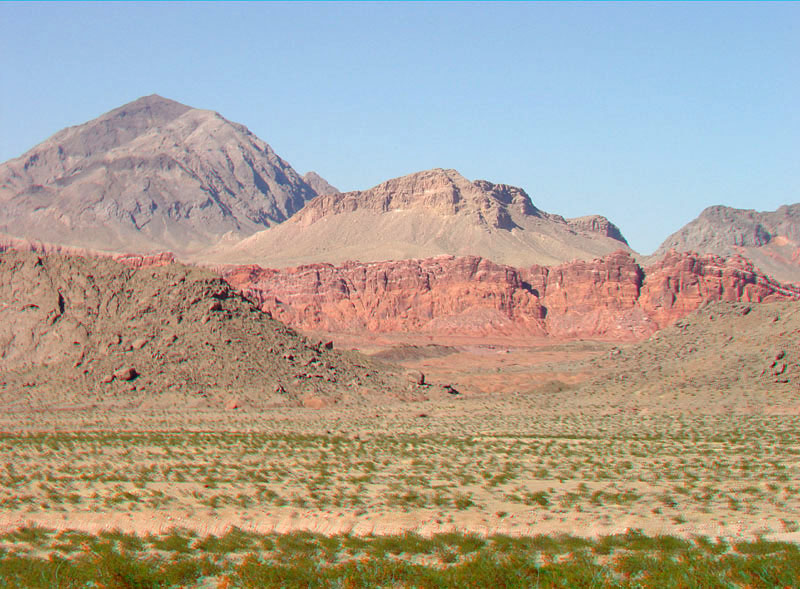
(422, 215)
(81, 332)
(723, 356)
(611, 298)
(148, 176)
(771, 239)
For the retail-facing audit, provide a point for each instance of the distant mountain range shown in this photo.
(157, 175)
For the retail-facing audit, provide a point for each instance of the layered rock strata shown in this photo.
(612, 297)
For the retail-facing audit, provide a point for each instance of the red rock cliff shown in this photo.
(680, 282)
(593, 299)
(442, 294)
(610, 298)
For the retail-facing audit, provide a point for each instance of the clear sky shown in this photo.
(643, 112)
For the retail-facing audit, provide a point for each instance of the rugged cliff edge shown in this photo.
(612, 297)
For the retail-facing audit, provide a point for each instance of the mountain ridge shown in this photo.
(150, 175)
(425, 214)
(156, 175)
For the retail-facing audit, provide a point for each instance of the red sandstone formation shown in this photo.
(611, 298)
(442, 294)
(593, 299)
(681, 282)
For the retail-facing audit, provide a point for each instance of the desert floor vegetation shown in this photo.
(733, 477)
(38, 557)
(519, 488)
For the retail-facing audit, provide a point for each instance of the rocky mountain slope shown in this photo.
(151, 175)
(424, 215)
(319, 184)
(736, 355)
(147, 334)
(770, 239)
(611, 298)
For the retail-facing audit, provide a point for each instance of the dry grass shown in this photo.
(734, 476)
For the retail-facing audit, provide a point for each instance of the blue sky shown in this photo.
(643, 112)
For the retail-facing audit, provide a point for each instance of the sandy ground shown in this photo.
(422, 523)
(516, 452)
(489, 365)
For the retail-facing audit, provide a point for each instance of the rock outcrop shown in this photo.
(597, 224)
(78, 332)
(149, 176)
(444, 294)
(611, 298)
(423, 215)
(681, 282)
(771, 239)
(593, 299)
(440, 192)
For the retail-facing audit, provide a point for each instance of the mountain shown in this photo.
(151, 175)
(78, 332)
(610, 298)
(423, 215)
(770, 239)
(319, 184)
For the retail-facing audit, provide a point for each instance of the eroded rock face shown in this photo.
(440, 191)
(593, 299)
(443, 294)
(611, 298)
(681, 282)
(597, 224)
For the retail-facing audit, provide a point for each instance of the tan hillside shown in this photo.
(424, 215)
(151, 175)
(721, 358)
(94, 333)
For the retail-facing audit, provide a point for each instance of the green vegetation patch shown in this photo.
(180, 558)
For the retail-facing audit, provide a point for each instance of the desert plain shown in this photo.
(526, 442)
